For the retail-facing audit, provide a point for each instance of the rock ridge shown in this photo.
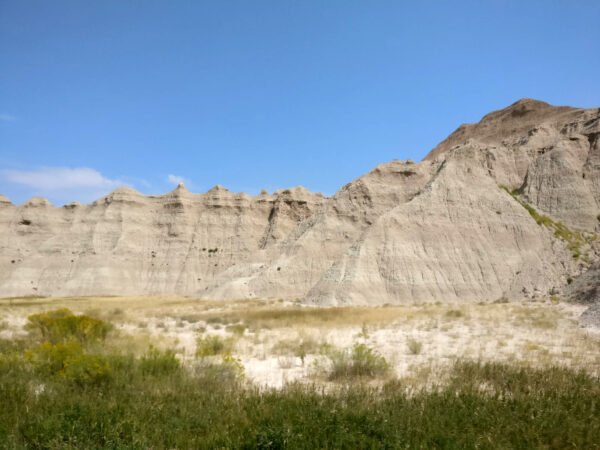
(507, 207)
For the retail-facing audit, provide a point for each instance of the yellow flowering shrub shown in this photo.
(68, 361)
(62, 325)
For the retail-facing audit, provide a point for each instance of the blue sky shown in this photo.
(265, 94)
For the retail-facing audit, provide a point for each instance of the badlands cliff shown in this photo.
(507, 207)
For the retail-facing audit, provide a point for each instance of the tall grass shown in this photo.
(484, 406)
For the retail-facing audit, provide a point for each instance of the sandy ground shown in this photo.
(283, 341)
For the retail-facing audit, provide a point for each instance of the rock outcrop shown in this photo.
(506, 207)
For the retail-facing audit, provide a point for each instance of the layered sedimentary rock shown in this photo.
(439, 230)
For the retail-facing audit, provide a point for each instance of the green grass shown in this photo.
(484, 406)
(154, 401)
(574, 239)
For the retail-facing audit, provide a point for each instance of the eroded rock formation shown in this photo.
(439, 230)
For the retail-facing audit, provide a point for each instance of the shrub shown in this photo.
(63, 326)
(157, 363)
(454, 313)
(68, 361)
(360, 361)
(414, 346)
(213, 345)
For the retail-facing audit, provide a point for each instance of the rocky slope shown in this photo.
(440, 230)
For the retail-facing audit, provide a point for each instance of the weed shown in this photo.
(238, 329)
(224, 372)
(364, 332)
(414, 346)
(191, 318)
(159, 363)
(285, 362)
(360, 361)
(302, 349)
(116, 312)
(454, 314)
(215, 320)
(213, 345)
(306, 347)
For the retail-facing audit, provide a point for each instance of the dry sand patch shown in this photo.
(282, 341)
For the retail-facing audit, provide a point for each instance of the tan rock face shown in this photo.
(440, 230)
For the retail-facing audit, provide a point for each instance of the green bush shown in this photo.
(62, 325)
(360, 361)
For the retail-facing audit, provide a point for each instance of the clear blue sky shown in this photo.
(266, 94)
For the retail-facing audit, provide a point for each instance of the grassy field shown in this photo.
(163, 405)
(86, 379)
